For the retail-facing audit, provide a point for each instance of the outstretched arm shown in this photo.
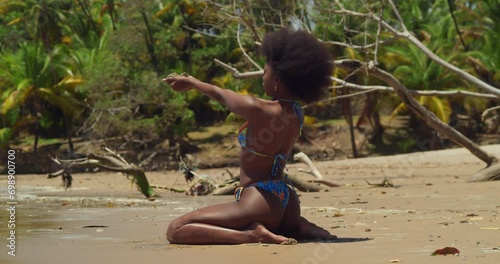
(243, 105)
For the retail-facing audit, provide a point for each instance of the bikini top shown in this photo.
(280, 158)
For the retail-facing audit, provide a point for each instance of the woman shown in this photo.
(266, 209)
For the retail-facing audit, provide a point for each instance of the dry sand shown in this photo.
(432, 207)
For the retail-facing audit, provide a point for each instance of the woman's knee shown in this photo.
(172, 228)
(170, 232)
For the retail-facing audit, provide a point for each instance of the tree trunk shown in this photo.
(347, 109)
(69, 124)
(37, 135)
(148, 37)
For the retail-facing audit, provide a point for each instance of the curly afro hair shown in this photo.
(300, 61)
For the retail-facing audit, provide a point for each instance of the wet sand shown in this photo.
(103, 219)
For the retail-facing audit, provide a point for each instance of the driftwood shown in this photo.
(111, 162)
(301, 156)
(198, 184)
(64, 173)
(490, 173)
(385, 183)
(172, 189)
(303, 185)
(226, 189)
(297, 182)
(314, 171)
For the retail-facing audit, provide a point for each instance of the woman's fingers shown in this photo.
(168, 80)
(178, 82)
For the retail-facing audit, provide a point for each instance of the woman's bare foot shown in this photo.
(263, 235)
(308, 230)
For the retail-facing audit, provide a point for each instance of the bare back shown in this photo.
(274, 132)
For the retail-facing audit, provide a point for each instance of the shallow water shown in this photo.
(50, 213)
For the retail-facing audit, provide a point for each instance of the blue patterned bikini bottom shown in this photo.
(277, 187)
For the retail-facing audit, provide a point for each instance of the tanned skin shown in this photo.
(259, 215)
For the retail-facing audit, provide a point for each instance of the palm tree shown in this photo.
(38, 83)
(40, 18)
(481, 32)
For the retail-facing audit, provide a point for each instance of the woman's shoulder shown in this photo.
(269, 108)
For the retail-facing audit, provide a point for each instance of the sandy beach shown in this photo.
(103, 219)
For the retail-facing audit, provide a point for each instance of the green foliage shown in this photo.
(39, 89)
(140, 109)
(5, 136)
(100, 62)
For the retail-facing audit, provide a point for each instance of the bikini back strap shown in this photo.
(297, 110)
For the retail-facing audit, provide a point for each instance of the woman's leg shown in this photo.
(298, 227)
(231, 223)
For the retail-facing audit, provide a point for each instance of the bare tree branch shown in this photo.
(377, 39)
(457, 93)
(257, 74)
(243, 49)
(352, 46)
(203, 33)
(406, 34)
(249, 22)
(398, 16)
(339, 97)
(236, 73)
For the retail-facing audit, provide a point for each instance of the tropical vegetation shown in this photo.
(92, 69)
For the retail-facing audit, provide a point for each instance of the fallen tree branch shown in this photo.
(163, 187)
(198, 184)
(303, 185)
(428, 117)
(297, 183)
(488, 111)
(385, 183)
(313, 170)
(490, 173)
(112, 162)
(148, 159)
(227, 189)
(301, 156)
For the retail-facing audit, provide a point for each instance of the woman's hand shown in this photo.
(179, 83)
